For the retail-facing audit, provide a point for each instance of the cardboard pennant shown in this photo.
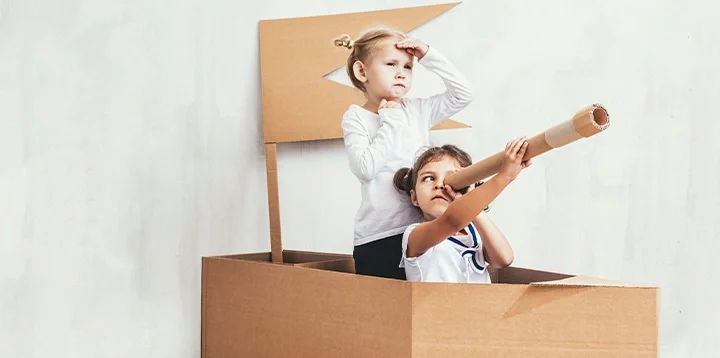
(298, 102)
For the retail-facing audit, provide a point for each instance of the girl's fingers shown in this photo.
(453, 194)
(523, 149)
(406, 44)
(517, 147)
(521, 144)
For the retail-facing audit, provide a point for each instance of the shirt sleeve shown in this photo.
(368, 154)
(413, 262)
(458, 93)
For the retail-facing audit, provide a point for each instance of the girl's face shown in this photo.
(388, 75)
(429, 194)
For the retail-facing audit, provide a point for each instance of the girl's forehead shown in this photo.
(387, 49)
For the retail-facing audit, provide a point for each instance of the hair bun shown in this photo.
(403, 180)
(344, 40)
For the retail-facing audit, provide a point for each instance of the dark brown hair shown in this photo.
(405, 178)
(362, 48)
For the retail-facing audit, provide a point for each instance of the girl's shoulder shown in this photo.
(409, 229)
(356, 111)
(406, 233)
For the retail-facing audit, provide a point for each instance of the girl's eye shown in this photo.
(428, 177)
(391, 64)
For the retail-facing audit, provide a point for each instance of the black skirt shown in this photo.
(380, 258)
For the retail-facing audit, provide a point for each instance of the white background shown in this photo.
(130, 146)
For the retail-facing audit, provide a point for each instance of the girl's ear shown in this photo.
(359, 71)
(413, 198)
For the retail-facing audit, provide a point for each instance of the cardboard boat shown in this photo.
(285, 303)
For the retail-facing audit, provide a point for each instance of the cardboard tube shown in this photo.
(587, 122)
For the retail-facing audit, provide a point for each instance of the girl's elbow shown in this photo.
(465, 97)
(468, 97)
(361, 174)
(366, 175)
(462, 100)
(503, 261)
(507, 261)
(364, 170)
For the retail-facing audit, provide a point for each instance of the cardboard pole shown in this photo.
(585, 123)
(273, 202)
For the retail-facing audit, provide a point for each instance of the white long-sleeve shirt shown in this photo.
(378, 145)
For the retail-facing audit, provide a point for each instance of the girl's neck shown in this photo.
(371, 106)
(373, 103)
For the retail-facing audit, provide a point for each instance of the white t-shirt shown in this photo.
(378, 145)
(457, 259)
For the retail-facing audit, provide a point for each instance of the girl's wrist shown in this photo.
(500, 180)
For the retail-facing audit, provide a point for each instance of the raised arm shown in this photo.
(466, 208)
(458, 93)
(368, 154)
(457, 216)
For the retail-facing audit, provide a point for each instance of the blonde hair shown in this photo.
(362, 48)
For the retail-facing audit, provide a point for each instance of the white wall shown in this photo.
(130, 147)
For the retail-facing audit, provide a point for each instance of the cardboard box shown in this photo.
(314, 305)
(308, 304)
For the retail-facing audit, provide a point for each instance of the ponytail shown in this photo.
(403, 180)
(344, 40)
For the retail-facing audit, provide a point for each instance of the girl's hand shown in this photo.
(454, 195)
(513, 162)
(414, 47)
(390, 104)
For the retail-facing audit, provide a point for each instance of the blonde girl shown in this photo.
(387, 132)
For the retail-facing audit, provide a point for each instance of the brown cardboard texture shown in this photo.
(298, 102)
(287, 303)
(254, 308)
